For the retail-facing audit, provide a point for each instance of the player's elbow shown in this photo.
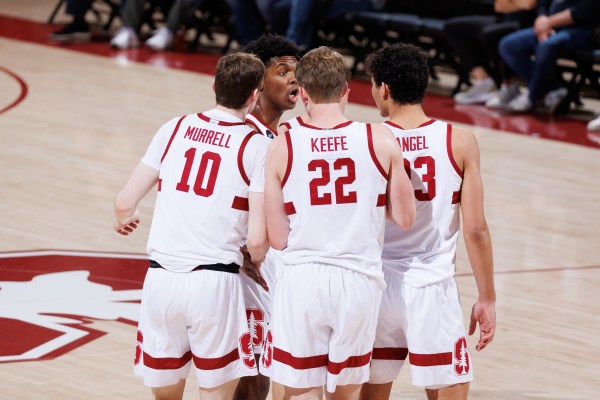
(278, 243)
(404, 216)
(257, 247)
(476, 233)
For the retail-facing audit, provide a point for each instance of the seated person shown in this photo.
(480, 57)
(561, 27)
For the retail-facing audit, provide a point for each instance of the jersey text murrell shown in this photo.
(205, 136)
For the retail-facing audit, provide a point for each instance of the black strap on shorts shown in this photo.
(232, 268)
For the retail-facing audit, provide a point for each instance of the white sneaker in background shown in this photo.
(502, 97)
(520, 104)
(125, 38)
(476, 94)
(161, 40)
(594, 125)
(554, 99)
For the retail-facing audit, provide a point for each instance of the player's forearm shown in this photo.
(563, 18)
(479, 249)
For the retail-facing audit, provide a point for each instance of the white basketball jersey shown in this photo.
(260, 126)
(334, 193)
(208, 163)
(426, 252)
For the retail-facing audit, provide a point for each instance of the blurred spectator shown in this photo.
(78, 29)
(561, 27)
(480, 57)
(254, 17)
(293, 18)
(162, 39)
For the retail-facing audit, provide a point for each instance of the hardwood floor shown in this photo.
(73, 124)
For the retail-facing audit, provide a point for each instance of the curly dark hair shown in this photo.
(269, 46)
(404, 68)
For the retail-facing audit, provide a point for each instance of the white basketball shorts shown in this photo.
(258, 300)
(323, 326)
(194, 316)
(425, 324)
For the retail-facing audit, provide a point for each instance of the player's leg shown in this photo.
(454, 392)
(439, 357)
(356, 299)
(252, 387)
(345, 392)
(315, 393)
(277, 391)
(390, 348)
(372, 391)
(221, 392)
(172, 392)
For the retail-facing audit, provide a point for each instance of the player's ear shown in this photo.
(386, 91)
(303, 95)
(213, 85)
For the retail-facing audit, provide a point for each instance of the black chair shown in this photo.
(113, 11)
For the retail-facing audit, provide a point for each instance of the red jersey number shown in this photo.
(202, 187)
(346, 164)
(428, 178)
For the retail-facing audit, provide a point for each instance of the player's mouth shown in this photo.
(293, 96)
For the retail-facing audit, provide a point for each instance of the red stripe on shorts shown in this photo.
(390, 353)
(430, 360)
(299, 362)
(216, 363)
(351, 362)
(167, 362)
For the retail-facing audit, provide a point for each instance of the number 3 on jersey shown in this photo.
(325, 178)
(200, 188)
(428, 178)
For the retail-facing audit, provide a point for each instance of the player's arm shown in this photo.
(139, 184)
(476, 235)
(400, 193)
(257, 242)
(278, 224)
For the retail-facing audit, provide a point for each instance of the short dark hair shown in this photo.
(237, 76)
(323, 73)
(269, 46)
(404, 68)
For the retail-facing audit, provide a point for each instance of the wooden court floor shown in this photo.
(74, 124)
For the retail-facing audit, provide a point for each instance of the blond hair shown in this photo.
(237, 76)
(322, 72)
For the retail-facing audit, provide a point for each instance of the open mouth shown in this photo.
(293, 96)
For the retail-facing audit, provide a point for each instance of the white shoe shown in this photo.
(125, 38)
(502, 97)
(161, 40)
(520, 104)
(476, 94)
(594, 125)
(554, 99)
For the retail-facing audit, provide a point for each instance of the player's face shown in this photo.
(280, 85)
(377, 93)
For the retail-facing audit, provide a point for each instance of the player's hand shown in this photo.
(484, 314)
(126, 225)
(252, 270)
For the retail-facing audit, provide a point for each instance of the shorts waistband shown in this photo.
(232, 268)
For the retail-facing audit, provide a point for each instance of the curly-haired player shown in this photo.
(420, 315)
(279, 94)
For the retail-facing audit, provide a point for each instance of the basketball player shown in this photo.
(209, 168)
(279, 94)
(420, 311)
(326, 188)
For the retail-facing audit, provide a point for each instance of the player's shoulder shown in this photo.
(462, 138)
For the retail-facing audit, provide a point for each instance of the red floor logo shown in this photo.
(49, 298)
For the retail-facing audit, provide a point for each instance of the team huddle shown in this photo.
(317, 253)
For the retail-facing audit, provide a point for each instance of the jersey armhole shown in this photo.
(171, 138)
(240, 158)
(449, 150)
(290, 157)
(372, 152)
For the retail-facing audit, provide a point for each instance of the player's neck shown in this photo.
(267, 115)
(241, 113)
(409, 116)
(325, 115)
